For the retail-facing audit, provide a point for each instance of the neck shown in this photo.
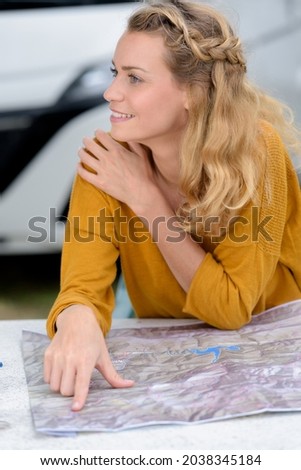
(166, 160)
(167, 172)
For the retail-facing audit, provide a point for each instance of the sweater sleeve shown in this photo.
(228, 285)
(234, 276)
(90, 251)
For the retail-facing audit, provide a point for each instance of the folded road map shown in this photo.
(183, 374)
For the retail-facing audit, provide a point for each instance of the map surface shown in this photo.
(183, 374)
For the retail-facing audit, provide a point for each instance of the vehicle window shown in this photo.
(25, 4)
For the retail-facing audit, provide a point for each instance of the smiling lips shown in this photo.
(117, 117)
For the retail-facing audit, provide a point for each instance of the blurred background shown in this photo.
(55, 65)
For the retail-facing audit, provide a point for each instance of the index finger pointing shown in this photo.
(81, 388)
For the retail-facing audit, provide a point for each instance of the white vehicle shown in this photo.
(55, 61)
(56, 58)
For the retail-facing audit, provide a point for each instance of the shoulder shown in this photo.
(278, 160)
(271, 139)
(87, 199)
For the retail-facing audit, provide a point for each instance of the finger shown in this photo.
(55, 378)
(106, 368)
(106, 140)
(88, 160)
(81, 388)
(68, 381)
(89, 175)
(137, 148)
(95, 147)
(113, 378)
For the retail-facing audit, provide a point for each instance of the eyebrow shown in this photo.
(130, 67)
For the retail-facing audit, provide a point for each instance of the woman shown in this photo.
(193, 190)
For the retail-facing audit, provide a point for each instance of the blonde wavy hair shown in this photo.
(221, 161)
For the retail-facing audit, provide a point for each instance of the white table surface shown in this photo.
(264, 431)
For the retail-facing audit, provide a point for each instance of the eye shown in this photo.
(114, 71)
(134, 79)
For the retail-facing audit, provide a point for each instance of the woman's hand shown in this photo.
(124, 174)
(76, 349)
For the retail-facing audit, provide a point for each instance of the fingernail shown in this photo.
(75, 406)
(129, 382)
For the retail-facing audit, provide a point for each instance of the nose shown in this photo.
(113, 92)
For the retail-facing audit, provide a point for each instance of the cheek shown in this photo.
(161, 105)
(171, 109)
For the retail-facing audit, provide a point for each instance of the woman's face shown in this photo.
(148, 105)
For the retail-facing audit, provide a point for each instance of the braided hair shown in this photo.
(221, 160)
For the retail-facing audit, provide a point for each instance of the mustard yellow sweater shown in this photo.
(257, 266)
